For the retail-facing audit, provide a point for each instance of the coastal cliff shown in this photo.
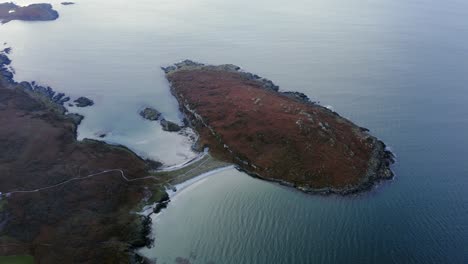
(273, 135)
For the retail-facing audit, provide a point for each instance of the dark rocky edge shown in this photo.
(150, 114)
(83, 102)
(154, 115)
(378, 165)
(169, 126)
(54, 101)
(379, 170)
(33, 12)
(266, 83)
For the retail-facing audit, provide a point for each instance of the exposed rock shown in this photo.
(6, 73)
(150, 114)
(144, 230)
(33, 12)
(4, 60)
(83, 102)
(168, 69)
(153, 165)
(188, 63)
(4, 66)
(181, 65)
(101, 134)
(60, 98)
(76, 118)
(6, 51)
(67, 3)
(169, 126)
(298, 96)
(159, 206)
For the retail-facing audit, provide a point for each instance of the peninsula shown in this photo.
(69, 201)
(273, 135)
(63, 200)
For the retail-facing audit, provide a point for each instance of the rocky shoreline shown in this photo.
(55, 100)
(375, 159)
(368, 182)
(152, 114)
(57, 155)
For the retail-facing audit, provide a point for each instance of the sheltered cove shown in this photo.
(73, 189)
(136, 184)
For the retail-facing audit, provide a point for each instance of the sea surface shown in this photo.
(397, 67)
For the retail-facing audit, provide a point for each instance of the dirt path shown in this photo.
(200, 162)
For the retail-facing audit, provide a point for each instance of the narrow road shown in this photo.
(122, 175)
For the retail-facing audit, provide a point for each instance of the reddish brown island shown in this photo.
(278, 136)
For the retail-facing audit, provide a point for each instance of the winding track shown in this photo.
(122, 175)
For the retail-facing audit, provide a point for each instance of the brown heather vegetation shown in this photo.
(273, 135)
(84, 221)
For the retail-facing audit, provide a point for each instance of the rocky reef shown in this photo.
(83, 102)
(54, 100)
(169, 126)
(150, 114)
(33, 12)
(279, 136)
(154, 115)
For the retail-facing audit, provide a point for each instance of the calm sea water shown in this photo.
(398, 67)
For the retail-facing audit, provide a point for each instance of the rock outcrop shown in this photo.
(154, 115)
(169, 126)
(279, 136)
(150, 114)
(55, 101)
(83, 102)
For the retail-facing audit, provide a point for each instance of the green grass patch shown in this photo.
(206, 164)
(3, 203)
(17, 259)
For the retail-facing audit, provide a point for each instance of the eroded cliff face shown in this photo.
(278, 136)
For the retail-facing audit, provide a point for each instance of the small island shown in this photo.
(152, 114)
(277, 136)
(33, 12)
(83, 102)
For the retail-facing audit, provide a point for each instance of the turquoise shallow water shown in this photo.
(398, 68)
